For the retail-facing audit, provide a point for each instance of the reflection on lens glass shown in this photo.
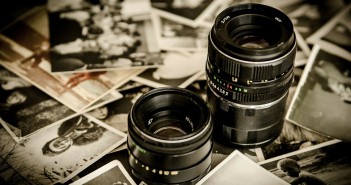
(254, 42)
(170, 131)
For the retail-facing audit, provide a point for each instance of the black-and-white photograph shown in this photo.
(238, 169)
(323, 88)
(335, 35)
(310, 16)
(326, 163)
(61, 151)
(100, 37)
(26, 108)
(180, 69)
(26, 55)
(175, 36)
(186, 12)
(111, 173)
(115, 114)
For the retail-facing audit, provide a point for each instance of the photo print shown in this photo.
(238, 169)
(323, 88)
(325, 163)
(309, 16)
(335, 35)
(111, 173)
(101, 37)
(179, 70)
(25, 109)
(26, 56)
(175, 36)
(46, 157)
(190, 13)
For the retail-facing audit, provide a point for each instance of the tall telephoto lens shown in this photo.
(249, 71)
(170, 137)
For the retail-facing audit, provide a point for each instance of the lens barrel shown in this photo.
(169, 137)
(249, 69)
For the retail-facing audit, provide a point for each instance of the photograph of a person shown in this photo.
(325, 86)
(100, 37)
(239, 169)
(325, 163)
(180, 69)
(27, 108)
(61, 151)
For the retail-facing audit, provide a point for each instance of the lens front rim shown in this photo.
(199, 130)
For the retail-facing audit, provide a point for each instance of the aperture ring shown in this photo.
(247, 71)
(238, 94)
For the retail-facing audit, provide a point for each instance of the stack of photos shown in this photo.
(70, 71)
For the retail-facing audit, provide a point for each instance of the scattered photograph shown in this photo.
(26, 108)
(190, 13)
(100, 37)
(303, 51)
(335, 35)
(46, 157)
(238, 169)
(323, 88)
(310, 16)
(115, 113)
(325, 163)
(180, 69)
(111, 173)
(172, 35)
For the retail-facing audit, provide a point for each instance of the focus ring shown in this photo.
(253, 71)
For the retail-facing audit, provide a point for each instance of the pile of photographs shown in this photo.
(71, 70)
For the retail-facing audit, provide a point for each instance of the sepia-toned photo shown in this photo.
(175, 36)
(47, 156)
(326, 163)
(238, 169)
(100, 37)
(189, 13)
(111, 173)
(335, 35)
(26, 108)
(180, 70)
(324, 87)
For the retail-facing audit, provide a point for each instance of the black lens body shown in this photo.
(170, 137)
(249, 71)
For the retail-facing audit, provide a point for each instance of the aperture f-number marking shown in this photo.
(225, 19)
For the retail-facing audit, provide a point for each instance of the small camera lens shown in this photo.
(169, 137)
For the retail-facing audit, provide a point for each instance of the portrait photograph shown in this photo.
(325, 86)
(46, 157)
(26, 109)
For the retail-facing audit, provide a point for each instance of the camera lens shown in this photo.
(169, 137)
(249, 69)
